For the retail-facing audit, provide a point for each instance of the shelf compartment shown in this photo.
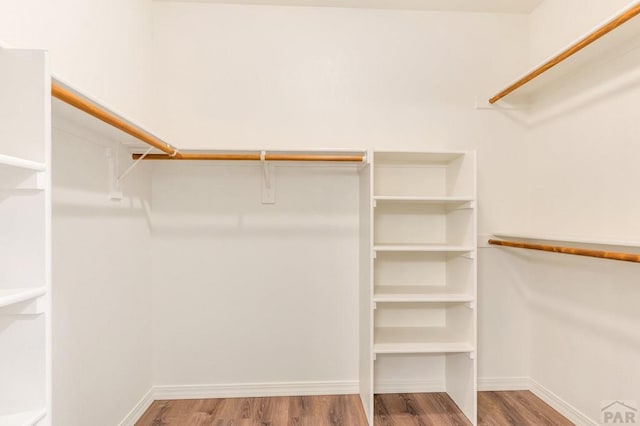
(423, 328)
(24, 418)
(409, 340)
(22, 245)
(411, 174)
(22, 363)
(423, 223)
(426, 274)
(13, 296)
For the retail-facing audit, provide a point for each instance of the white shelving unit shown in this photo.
(421, 286)
(25, 224)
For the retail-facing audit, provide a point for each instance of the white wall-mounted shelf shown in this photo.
(12, 296)
(416, 294)
(7, 161)
(421, 348)
(412, 340)
(446, 201)
(421, 248)
(24, 418)
(613, 36)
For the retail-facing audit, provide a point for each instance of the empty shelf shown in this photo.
(419, 294)
(16, 295)
(421, 348)
(24, 418)
(449, 201)
(421, 247)
(411, 157)
(20, 163)
(407, 340)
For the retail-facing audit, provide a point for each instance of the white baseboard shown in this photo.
(348, 387)
(255, 389)
(503, 383)
(409, 386)
(560, 405)
(137, 412)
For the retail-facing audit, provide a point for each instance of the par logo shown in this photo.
(619, 413)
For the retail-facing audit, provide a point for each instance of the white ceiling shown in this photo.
(499, 6)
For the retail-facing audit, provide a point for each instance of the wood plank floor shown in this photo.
(342, 410)
(516, 408)
(512, 408)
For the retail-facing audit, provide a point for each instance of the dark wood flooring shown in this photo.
(512, 408)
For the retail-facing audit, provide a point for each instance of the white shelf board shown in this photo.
(419, 294)
(422, 348)
(16, 295)
(611, 44)
(422, 247)
(399, 340)
(425, 200)
(566, 239)
(24, 418)
(393, 158)
(21, 163)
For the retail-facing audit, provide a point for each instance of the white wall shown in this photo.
(102, 47)
(504, 331)
(246, 292)
(582, 160)
(285, 77)
(101, 284)
(555, 24)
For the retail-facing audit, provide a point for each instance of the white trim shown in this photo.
(560, 405)
(239, 390)
(348, 387)
(409, 386)
(503, 383)
(136, 413)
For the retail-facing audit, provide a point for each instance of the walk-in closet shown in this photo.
(319, 212)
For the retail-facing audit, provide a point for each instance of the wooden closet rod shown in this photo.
(574, 48)
(625, 257)
(95, 110)
(253, 157)
(170, 152)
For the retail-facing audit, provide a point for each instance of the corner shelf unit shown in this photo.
(25, 226)
(418, 284)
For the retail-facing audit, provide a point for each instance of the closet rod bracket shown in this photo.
(268, 183)
(115, 177)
